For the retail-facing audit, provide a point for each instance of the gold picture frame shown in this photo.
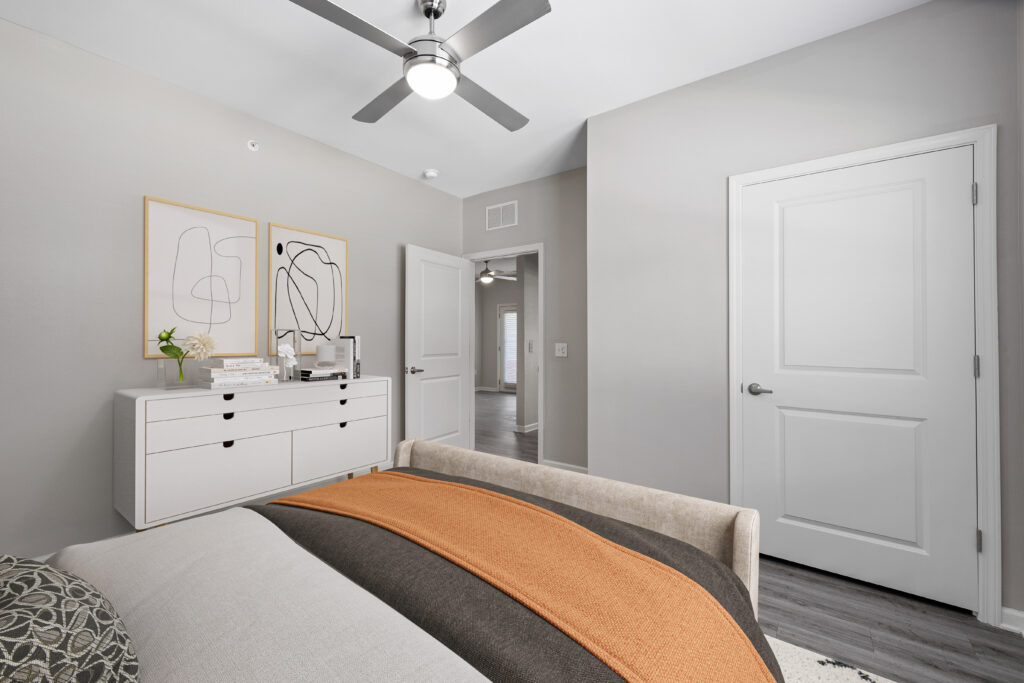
(196, 274)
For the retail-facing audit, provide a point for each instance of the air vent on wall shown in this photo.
(503, 215)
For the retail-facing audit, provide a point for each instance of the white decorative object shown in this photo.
(308, 287)
(287, 353)
(200, 276)
(285, 362)
(180, 454)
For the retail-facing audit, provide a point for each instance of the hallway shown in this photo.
(495, 427)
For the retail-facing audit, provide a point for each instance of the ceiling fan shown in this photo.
(433, 64)
(489, 275)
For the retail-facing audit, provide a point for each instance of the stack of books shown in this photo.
(222, 373)
(322, 374)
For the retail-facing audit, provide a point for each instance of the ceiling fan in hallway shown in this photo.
(489, 275)
(432, 64)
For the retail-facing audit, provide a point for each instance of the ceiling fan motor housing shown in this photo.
(428, 50)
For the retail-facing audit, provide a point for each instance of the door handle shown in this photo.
(756, 389)
(413, 370)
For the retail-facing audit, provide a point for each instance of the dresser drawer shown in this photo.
(322, 451)
(182, 481)
(274, 396)
(194, 431)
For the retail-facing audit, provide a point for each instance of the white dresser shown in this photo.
(182, 452)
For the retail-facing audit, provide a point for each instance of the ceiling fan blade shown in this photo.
(505, 277)
(503, 19)
(490, 105)
(384, 102)
(364, 29)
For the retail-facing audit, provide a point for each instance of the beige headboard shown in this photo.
(726, 532)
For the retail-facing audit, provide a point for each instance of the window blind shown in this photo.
(511, 362)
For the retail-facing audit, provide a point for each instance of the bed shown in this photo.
(288, 592)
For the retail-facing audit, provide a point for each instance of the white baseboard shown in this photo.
(1013, 620)
(526, 429)
(564, 466)
(44, 558)
(494, 389)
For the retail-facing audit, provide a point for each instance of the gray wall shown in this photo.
(527, 331)
(81, 141)
(488, 298)
(552, 210)
(657, 197)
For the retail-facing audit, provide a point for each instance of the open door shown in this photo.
(439, 328)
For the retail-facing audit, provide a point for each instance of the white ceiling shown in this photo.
(280, 63)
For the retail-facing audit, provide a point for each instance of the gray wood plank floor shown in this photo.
(885, 632)
(495, 427)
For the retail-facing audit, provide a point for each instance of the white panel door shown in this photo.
(439, 320)
(857, 314)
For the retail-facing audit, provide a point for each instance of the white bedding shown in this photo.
(227, 591)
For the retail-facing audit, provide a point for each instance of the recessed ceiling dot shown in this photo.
(253, 146)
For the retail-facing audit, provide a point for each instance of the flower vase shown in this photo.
(292, 338)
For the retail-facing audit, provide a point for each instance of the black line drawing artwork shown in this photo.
(204, 288)
(311, 287)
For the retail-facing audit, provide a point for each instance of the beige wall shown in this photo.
(81, 141)
(552, 210)
(657, 173)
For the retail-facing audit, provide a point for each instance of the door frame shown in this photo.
(508, 252)
(502, 309)
(986, 330)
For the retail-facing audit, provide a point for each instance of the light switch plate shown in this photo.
(561, 350)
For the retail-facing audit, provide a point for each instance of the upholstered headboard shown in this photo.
(726, 532)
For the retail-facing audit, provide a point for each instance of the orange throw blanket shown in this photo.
(643, 619)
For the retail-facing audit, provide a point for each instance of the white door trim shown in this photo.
(502, 386)
(507, 252)
(990, 609)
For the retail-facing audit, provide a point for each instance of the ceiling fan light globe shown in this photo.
(431, 80)
(486, 278)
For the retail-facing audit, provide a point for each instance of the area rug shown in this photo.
(803, 666)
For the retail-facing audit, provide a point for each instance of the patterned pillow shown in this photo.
(55, 627)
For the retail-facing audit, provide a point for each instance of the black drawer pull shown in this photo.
(343, 401)
(343, 386)
(228, 416)
(343, 424)
(229, 444)
(229, 397)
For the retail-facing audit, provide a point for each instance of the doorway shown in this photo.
(507, 355)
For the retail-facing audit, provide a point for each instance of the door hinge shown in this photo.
(974, 194)
(979, 540)
(977, 366)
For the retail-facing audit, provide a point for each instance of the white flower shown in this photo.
(288, 353)
(201, 345)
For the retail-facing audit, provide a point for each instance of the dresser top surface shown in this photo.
(189, 391)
